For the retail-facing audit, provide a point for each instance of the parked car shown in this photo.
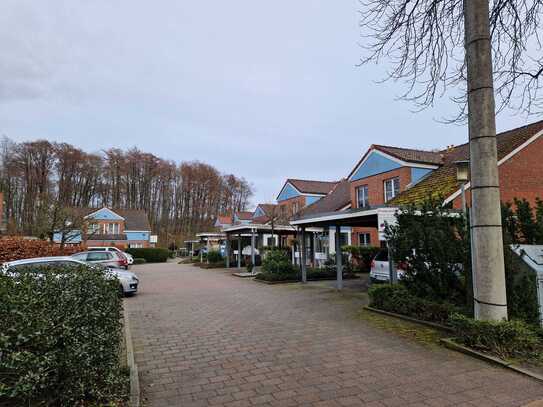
(128, 280)
(112, 249)
(380, 268)
(105, 258)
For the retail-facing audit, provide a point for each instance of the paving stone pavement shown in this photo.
(205, 338)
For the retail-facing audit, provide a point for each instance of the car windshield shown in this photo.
(382, 256)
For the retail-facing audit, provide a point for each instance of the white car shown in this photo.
(380, 268)
(128, 280)
(128, 256)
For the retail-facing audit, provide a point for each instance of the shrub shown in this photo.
(277, 261)
(139, 260)
(150, 254)
(506, 339)
(60, 338)
(396, 298)
(362, 256)
(214, 256)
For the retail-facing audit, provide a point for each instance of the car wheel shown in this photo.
(121, 291)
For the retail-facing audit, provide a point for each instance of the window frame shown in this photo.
(367, 239)
(364, 188)
(394, 182)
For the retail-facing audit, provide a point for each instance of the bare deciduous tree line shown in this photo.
(180, 199)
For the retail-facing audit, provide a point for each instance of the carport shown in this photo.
(254, 231)
(210, 238)
(375, 217)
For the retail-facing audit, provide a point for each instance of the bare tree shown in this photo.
(438, 44)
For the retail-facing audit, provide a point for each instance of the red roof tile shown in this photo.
(442, 182)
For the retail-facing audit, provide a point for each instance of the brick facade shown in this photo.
(520, 177)
(376, 196)
(287, 206)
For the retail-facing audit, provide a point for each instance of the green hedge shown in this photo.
(214, 256)
(150, 254)
(506, 339)
(60, 338)
(276, 261)
(137, 260)
(396, 298)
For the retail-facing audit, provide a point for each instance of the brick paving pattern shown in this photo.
(205, 338)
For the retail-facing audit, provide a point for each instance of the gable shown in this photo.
(288, 192)
(418, 173)
(105, 214)
(258, 212)
(311, 199)
(375, 163)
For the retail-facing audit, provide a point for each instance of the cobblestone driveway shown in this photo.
(204, 338)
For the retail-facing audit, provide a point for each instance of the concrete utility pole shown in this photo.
(488, 262)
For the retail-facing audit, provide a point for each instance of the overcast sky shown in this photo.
(264, 90)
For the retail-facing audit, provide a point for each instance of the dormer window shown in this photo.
(392, 188)
(362, 200)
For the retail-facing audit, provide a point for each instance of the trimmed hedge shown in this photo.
(506, 339)
(150, 254)
(396, 298)
(60, 338)
(138, 260)
(15, 248)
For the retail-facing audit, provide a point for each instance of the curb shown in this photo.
(298, 281)
(134, 400)
(410, 319)
(451, 344)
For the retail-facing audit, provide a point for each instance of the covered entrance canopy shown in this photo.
(254, 230)
(376, 217)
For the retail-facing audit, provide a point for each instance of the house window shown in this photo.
(362, 200)
(364, 239)
(111, 228)
(392, 188)
(295, 207)
(135, 245)
(93, 228)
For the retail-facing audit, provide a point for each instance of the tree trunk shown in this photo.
(488, 263)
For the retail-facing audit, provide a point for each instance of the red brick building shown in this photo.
(391, 176)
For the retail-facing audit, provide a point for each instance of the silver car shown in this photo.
(112, 249)
(127, 279)
(103, 257)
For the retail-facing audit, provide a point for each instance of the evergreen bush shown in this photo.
(60, 338)
(505, 339)
(214, 256)
(150, 254)
(276, 261)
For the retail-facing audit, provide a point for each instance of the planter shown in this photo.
(450, 343)
(134, 398)
(353, 277)
(411, 319)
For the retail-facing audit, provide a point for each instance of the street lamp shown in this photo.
(462, 176)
